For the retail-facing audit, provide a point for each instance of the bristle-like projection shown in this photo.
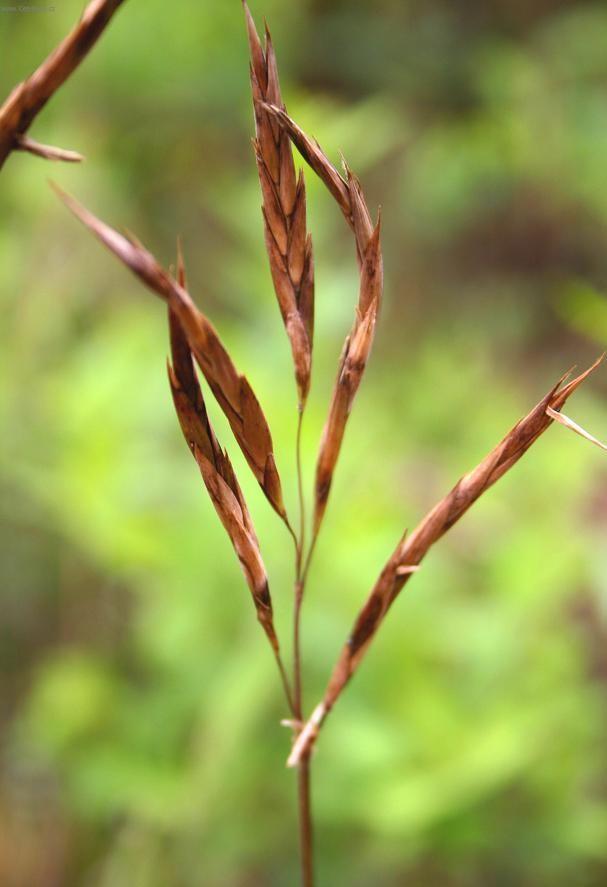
(29, 97)
(566, 422)
(47, 152)
(357, 348)
(288, 245)
(231, 390)
(411, 550)
(216, 469)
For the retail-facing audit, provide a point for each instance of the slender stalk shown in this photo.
(297, 683)
(299, 586)
(303, 770)
(287, 687)
(308, 561)
(305, 823)
(300, 492)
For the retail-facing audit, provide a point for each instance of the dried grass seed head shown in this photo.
(231, 390)
(288, 245)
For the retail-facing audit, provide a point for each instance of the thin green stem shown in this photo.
(305, 823)
(286, 685)
(300, 491)
(303, 770)
(308, 560)
(299, 588)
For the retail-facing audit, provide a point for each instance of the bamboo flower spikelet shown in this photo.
(194, 342)
(284, 211)
(349, 196)
(218, 474)
(231, 390)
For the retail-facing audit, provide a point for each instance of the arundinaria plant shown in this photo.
(195, 343)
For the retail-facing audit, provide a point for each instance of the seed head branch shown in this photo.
(357, 348)
(29, 97)
(231, 390)
(412, 549)
(288, 245)
(218, 476)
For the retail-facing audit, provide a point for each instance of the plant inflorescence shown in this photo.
(195, 343)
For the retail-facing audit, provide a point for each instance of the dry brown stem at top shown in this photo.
(411, 550)
(29, 97)
(216, 469)
(284, 211)
(231, 390)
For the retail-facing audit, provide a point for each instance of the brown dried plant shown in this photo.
(193, 339)
(218, 474)
(29, 97)
(231, 390)
(284, 211)
(357, 347)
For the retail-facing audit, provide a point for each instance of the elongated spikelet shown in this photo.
(29, 97)
(412, 549)
(315, 157)
(357, 348)
(216, 469)
(231, 390)
(284, 211)
(352, 365)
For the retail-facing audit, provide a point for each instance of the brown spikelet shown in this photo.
(288, 245)
(346, 191)
(29, 97)
(411, 550)
(216, 469)
(313, 154)
(351, 368)
(357, 348)
(231, 390)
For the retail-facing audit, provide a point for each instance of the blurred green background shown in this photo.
(139, 707)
